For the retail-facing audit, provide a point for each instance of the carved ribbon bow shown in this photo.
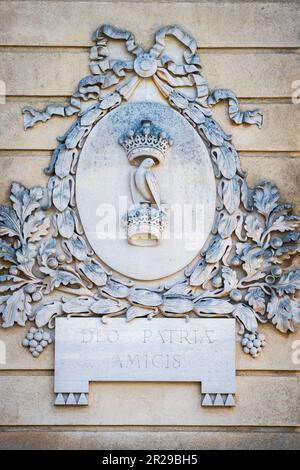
(122, 76)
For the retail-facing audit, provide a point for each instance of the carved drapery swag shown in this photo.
(247, 269)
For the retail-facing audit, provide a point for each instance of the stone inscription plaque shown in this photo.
(172, 350)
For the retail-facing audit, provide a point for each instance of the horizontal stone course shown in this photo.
(280, 131)
(146, 439)
(261, 401)
(248, 74)
(276, 356)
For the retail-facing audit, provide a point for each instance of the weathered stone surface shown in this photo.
(26, 170)
(54, 23)
(41, 137)
(251, 74)
(277, 355)
(261, 401)
(280, 131)
(149, 439)
(273, 168)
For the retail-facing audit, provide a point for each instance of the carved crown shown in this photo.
(145, 225)
(146, 141)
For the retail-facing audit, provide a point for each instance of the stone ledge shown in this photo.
(154, 440)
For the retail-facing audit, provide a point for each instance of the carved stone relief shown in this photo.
(246, 269)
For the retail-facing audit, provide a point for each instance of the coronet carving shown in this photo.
(145, 225)
(247, 270)
(146, 142)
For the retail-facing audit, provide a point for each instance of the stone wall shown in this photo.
(250, 47)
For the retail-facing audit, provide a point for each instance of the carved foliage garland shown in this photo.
(238, 274)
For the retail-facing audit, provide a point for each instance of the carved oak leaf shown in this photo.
(46, 249)
(65, 162)
(58, 278)
(228, 223)
(256, 260)
(65, 223)
(9, 222)
(217, 306)
(180, 289)
(115, 289)
(255, 227)
(265, 197)
(291, 237)
(279, 209)
(17, 309)
(75, 135)
(247, 195)
(7, 252)
(11, 283)
(230, 279)
(288, 248)
(26, 258)
(3, 299)
(195, 113)
(257, 299)
(62, 191)
(80, 304)
(229, 191)
(178, 100)
(242, 248)
(284, 313)
(36, 227)
(202, 273)
(145, 297)
(110, 100)
(213, 132)
(24, 200)
(284, 224)
(285, 252)
(91, 115)
(288, 283)
(44, 313)
(77, 246)
(246, 316)
(227, 159)
(177, 305)
(135, 312)
(108, 306)
(49, 170)
(217, 249)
